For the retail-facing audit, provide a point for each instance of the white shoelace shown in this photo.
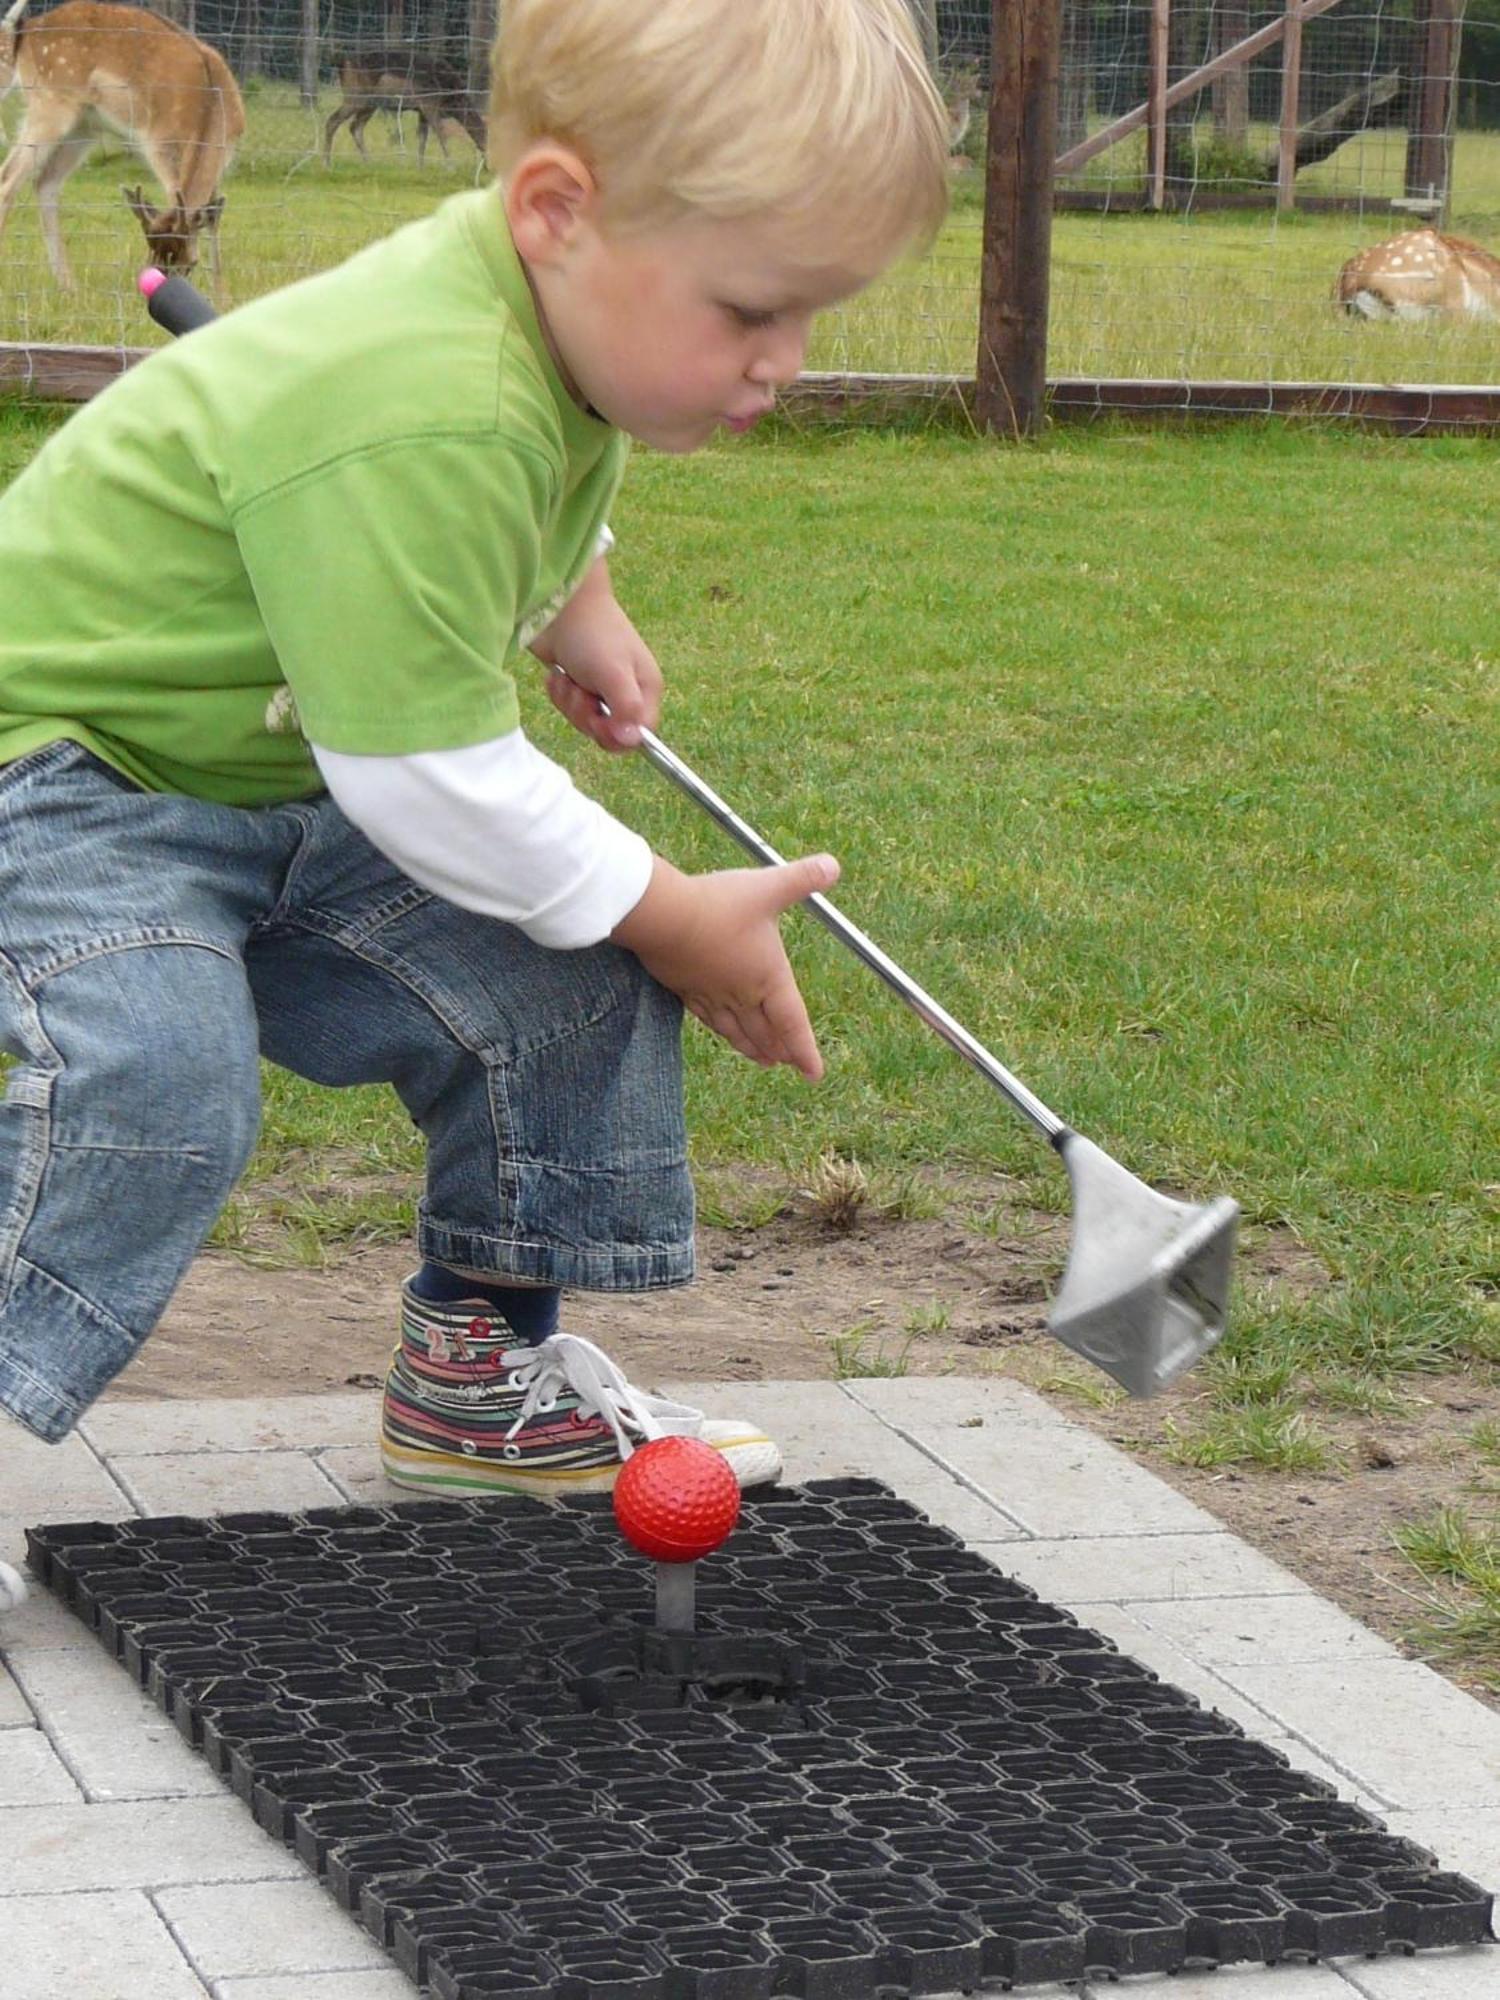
(567, 1364)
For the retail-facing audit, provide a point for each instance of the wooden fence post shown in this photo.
(1015, 263)
(1437, 29)
(1291, 92)
(1156, 103)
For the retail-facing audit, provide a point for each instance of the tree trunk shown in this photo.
(1075, 98)
(307, 66)
(1188, 48)
(1231, 93)
(1377, 102)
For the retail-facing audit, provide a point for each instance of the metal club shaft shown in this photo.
(916, 997)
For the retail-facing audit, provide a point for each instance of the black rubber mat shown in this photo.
(880, 1768)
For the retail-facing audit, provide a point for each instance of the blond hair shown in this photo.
(818, 113)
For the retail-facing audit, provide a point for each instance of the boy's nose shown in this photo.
(780, 359)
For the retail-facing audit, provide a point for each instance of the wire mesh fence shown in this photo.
(1218, 162)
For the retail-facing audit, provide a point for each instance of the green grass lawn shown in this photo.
(1166, 762)
(1243, 295)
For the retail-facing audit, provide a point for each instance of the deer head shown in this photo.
(959, 83)
(87, 64)
(172, 233)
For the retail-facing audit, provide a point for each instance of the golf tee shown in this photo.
(675, 1592)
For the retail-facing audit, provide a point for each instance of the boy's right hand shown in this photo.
(715, 940)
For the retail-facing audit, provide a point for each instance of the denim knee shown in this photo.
(131, 1111)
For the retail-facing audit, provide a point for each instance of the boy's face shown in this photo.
(673, 333)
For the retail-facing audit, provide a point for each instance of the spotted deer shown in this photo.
(87, 68)
(960, 88)
(1421, 274)
(397, 80)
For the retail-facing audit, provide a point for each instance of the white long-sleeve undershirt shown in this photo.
(499, 828)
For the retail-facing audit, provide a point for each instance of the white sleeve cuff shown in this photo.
(498, 828)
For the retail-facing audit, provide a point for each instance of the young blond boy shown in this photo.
(264, 787)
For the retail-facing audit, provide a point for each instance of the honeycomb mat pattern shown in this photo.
(887, 1768)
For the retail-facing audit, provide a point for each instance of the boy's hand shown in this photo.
(716, 941)
(603, 659)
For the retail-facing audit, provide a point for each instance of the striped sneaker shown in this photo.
(467, 1412)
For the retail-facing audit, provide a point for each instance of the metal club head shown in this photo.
(1145, 1292)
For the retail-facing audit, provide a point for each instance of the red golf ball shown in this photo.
(676, 1499)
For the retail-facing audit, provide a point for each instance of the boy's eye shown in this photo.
(751, 317)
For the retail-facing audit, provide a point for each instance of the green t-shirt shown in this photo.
(338, 513)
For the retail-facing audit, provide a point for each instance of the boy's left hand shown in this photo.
(603, 659)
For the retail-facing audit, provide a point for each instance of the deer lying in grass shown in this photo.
(397, 80)
(1421, 274)
(88, 67)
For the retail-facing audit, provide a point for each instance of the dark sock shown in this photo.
(530, 1311)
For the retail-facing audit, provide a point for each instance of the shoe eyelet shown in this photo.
(510, 1451)
(479, 1329)
(469, 1448)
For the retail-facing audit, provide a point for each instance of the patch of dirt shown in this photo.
(796, 1299)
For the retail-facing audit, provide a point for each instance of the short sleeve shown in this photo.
(390, 583)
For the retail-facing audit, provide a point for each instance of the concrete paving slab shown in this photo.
(824, 1433)
(937, 1400)
(14, 1713)
(51, 1482)
(107, 1946)
(1131, 1636)
(1145, 1569)
(239, 1930)
(1472, 1974)
(58, 1850)
(41, 1624)
(223, 1482)
(1467, 1840)
(390, 1985)
(269, 1423)
(32, 1773)
(1052, 1477)
(1301, 1758)
(355, 1470)
(1294, 1630)
(117, 1744)
(990, 1459)
(1234, 1982)
(1394, 1725)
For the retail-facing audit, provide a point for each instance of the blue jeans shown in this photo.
(153, 947)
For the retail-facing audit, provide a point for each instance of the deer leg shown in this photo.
(335, 119)
(20, 164)
(41, 132)
(357, 126)
(216, 274)
(53, 171)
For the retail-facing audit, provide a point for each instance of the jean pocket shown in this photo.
(59, 758)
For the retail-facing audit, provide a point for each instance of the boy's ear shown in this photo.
(548, 193)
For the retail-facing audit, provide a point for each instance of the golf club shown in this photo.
(1145, 1289)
